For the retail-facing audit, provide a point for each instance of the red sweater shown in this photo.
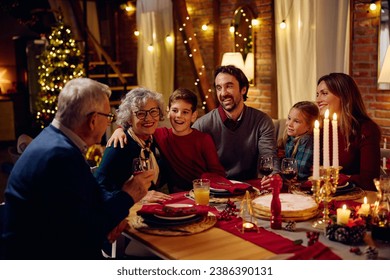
(362, 159)
(187, 157)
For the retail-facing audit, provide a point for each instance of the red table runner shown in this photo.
(267, 239)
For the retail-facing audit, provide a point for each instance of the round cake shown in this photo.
(295, 207)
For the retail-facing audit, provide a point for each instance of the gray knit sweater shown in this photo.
(240, 149)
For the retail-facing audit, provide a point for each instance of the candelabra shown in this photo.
(323, 189)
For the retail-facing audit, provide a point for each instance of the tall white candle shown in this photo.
(335, 143)
(384, 163)
(326, 140)
(316, 150)
(385, 143)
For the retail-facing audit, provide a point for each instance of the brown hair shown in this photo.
(238, 74)
(353, 110)
(186, 95)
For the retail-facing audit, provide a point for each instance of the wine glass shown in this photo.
(289, 170)
(141, 164)
(266, 165)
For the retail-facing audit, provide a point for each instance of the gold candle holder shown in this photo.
(323, 192)
(249, 222)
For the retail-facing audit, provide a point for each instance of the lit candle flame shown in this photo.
(334, 116)
(327, 114)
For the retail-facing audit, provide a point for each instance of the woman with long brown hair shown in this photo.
(359, 136)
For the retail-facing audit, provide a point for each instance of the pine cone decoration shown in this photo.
(344, 234)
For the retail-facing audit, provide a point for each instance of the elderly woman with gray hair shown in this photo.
(139, 114)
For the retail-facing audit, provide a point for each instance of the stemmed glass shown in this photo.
(141, 164)
(289, 170)
(266, 165)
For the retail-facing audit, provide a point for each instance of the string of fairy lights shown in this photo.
(283, 24)
(130, 9)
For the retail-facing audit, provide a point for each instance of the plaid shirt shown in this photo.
(304, 155)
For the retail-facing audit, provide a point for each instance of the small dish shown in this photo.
(174, 218)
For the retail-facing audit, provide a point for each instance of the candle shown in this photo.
(316, 150)
(335, 144)
(247, 226)
(326, 139)
(384, 143)
(343, 215)
(384, 163)
(365, 208)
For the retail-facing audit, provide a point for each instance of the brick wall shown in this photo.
(202, 12)
(364, 64)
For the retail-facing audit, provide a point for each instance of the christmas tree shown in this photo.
(61, 61)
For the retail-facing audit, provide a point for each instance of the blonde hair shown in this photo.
(310, 113)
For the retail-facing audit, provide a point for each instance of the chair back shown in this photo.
(2, 206)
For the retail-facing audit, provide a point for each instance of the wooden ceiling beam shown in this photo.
(192, 46)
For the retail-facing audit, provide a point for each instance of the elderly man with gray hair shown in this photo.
(54, 208)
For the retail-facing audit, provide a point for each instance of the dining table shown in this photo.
(221, 243)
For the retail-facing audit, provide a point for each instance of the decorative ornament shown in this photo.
(371, 253)
(291, 225)
(313, 237)
(355, 250)
(229, 211)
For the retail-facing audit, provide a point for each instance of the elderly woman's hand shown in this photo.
(155, 196)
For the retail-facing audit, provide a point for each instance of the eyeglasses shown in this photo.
(141, 114)
(109, 116)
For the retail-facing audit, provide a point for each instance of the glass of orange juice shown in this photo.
(201, 191)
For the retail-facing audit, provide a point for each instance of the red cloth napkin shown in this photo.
(158, 209)
(149, 209)
(219, 182)
(317, 251)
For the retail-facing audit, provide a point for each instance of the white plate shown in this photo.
(179, 205)
(174, 218)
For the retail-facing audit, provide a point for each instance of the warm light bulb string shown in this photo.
(288, 12)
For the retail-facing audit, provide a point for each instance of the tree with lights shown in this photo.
(61, 61)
